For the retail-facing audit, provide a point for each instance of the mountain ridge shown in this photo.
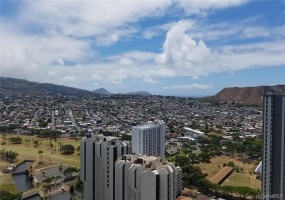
(144, 93)
(102, 91)
(246, 95)
(10, 86)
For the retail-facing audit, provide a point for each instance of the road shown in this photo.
(197, 149)
(52, 121)
(74, 120)
(87, 113)
(35, 118)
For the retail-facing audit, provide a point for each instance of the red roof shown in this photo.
(174, 135)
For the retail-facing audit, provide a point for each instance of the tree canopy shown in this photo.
(15, 140)
(67, 149)
(4, 195)
(126, 137)
(68, 172)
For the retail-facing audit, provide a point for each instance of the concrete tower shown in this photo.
(273, 177)
(148, 139)
(98, 155)
(146, 178)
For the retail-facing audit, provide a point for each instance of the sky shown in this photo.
(165, 47)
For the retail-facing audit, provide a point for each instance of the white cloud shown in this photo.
(125, 61)
(254, 32)
(189, 87)
(186, 57)
(153, 31)
(181, 52)
(106, 41)
(69, 32)
(89, 18)
(26, 55)
(137, 56)
(69, 78)
(148, 34)
(201, 7)
(226, 31)
(264, 54)
(60, 61)
(96, 84)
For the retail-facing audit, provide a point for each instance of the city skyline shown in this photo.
(187, 48)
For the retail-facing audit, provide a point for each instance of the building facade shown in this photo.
(148, 139)
(146, 178)
(98, 155)
(273, 177)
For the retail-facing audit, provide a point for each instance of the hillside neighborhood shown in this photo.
(118, 113)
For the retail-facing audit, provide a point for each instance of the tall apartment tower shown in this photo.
(148, 139)
(273, 173)
(146, 178)
(98, 155)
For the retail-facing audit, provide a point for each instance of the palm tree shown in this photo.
(3, 145)
(3, 141)
(53, 178)
(51, 145)
(44, 174)
(55, 140)
(28, 140)
(41, 156)
(60, 169)
(48, 181)
(57, 178)
(4, 137)
(60, 145)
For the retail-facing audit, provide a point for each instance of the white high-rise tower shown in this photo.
(98, 155)
(146, 178)
(148, 139)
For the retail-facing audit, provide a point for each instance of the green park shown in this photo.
(45, 152)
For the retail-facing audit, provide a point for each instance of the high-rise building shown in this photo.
(148, 139)
(98, 155)
(273, 173)
(146, 178)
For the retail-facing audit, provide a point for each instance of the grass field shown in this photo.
(7, 184)
(29, 152)
(236, 179)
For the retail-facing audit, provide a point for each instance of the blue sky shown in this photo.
(166, 47)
